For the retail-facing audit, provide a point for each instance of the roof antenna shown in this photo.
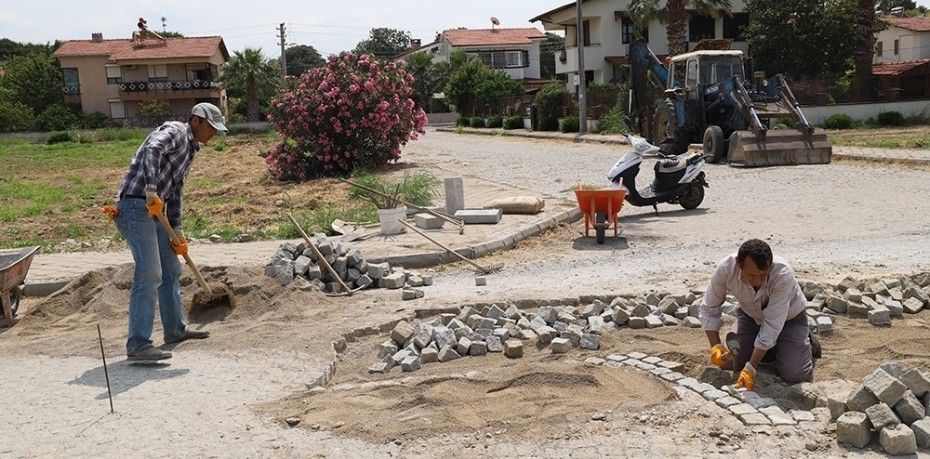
(494, 22)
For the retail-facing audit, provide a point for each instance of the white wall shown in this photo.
(533, 71)
(817, 114)
(912, 45)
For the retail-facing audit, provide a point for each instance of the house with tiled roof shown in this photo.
(514, 51)
(905, 39)
(114, 76)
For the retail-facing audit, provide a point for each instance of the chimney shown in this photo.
(96, 37)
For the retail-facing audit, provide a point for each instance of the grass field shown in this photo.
(52, 193)
(903, 137)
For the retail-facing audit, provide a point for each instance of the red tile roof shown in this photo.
(123, 49)
(897, 68)
(920, 24)
(481, 37)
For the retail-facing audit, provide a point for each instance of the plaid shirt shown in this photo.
(161, 164)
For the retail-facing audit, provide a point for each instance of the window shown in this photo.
(734, 26)
(677, 73)
(514, 59)
(72, 84)
(117, 109)
(701, 27)
(158, 73)
(897, 47)
(628, 31)
(878, 49)
(691, 79)
(199, 72)
(586, 32)
(504, 59)
(114, 74)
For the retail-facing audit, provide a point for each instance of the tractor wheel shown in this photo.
(600, 227)
(664, 123)
(715, 146)
(693, 197)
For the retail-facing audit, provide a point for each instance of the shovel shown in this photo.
(207, 297)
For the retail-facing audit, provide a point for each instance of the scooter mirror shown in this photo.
(641, 146)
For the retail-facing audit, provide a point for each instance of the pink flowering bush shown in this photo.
(355, 111)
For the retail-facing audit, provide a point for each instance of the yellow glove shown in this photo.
(747, 378)
(154, 204)
(720, 355)
(181, 247)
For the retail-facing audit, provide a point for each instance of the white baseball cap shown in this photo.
(211, 113)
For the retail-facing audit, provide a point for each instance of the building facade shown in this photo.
(905, 40)
(114, 77)
(608, 30)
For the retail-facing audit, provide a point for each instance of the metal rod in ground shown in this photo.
(454, 221)
(319, 256)
(484, 270)
(106, 372)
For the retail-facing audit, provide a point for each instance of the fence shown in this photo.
(890, 88)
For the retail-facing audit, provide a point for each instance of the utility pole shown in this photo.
(582, 84)
(283, 35)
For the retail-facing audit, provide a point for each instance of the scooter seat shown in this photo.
(670, 165)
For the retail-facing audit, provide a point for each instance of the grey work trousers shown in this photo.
(791, 357)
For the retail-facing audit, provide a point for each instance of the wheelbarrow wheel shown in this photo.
(600, 227)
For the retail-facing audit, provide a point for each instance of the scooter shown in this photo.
(678, 179)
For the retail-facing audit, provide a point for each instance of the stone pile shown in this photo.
(891, 405)
(298, 262)
(877, 300)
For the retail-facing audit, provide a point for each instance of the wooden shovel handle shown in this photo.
(190, 263)
(320, 257)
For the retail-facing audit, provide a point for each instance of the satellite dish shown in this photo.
(495, 21)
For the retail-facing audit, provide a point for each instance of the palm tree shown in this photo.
(250, 72)
(675, 15)
(864, 37)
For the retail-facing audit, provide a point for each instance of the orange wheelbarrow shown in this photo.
(601, 209)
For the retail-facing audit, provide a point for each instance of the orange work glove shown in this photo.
(154, 204)
(720, 355)
(181, 247)
(747, 378)
(111, 211)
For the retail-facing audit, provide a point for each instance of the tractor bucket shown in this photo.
(779, 147)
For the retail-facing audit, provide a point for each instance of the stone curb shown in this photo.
(882, 159)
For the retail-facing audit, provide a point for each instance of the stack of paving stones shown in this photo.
(891, 405)
(877, 300)
(297, 262)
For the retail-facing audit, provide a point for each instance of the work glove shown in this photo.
(181, 247)
(154, 204)
(747, 378)
(720, 355)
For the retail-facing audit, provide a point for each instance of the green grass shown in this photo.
(418, 189)
(320, 219)
(39, 197)
(905, 137)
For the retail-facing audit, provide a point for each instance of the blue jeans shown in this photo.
(156, 279)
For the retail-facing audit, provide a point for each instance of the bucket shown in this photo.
(389, 220)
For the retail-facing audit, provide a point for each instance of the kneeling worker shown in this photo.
(771, 319)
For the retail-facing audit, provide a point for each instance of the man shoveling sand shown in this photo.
(158, 171)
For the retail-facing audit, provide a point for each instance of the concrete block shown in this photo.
(364, 281)
(393, 281)
(454, 190)
(713, 394)
(560, 345)
(480, 216)
(573, 335)
(445, 338)
(913, 305)
(463, 345)
(909, 408)
(881, 415)
(620, 316)
(726, 401)
(423, 337)
(860, 399)
(898, 440)
(654, 321)
(410, 293)
(837, 406)
(428, 221)
(411, 363)
(691, 322)
(513, 348)
(888, 389)
(916, 381)
(481, 281)
(400, 355)
(402, 332)
(777, 416)
(756, 419)
(596, 325)
(853, 295)
(590, 342)
(837, 304)
(429, 355)
(478, 348)
(921, 430)
(858, 310)
(669, 321)
(916, 293)
(640, 310)
(412, 280)
(880, 316)
(547, 334)
(378, 270)
(853, 428)
(380, 368)
(636, 355)
(637, 322)
(527, 334)
(895, 308)
(448, 354)
(387, 348)
(803, 415)
(672, 376)
(494, 344)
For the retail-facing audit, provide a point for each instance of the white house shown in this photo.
(608, 31)
(905, 40)
(513, 51)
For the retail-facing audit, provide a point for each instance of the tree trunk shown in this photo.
(865, 47)
(252, 97)
(676, 27)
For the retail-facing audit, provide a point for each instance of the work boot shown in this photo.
(190, 334)
(149, 354)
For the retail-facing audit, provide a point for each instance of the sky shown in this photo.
(329, 25)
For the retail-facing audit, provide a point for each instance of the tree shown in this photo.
(384, 42)
(34, 80)
(249, 74)
(863, 37)
(301, 58)
(420, 66)
(497, 91)
(802, 38)
(460, 90)
(675, 14)
(10, 48)
(170, 34)
(548, 49)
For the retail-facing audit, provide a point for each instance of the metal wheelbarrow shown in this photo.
(14, 264)
(600, 208)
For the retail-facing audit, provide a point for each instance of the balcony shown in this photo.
(180, 89)
(593, 58)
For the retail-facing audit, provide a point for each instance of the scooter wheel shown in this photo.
(600, 227)
(693, 197)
